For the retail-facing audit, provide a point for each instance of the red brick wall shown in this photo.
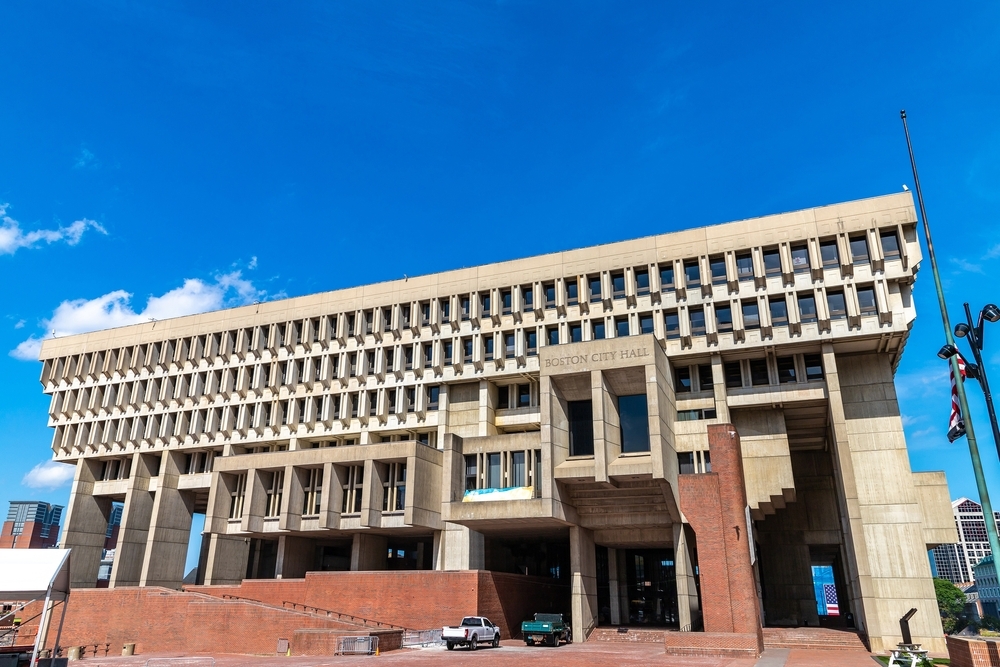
(973, 652)
(30, 537)
(714, 504)
(730, 644)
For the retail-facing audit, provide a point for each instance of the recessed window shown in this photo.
(838, 305)
(467, 350)
(618, 285)
(433, 397)
(697, 316)
(724, 318)
(696, 415)
(503, 397)
(621, 327)
(751, 315)
(633, 414)
(744, 266)
(404, 317)
(597, 327)
(408, 356)
(507, 299)
(786, 369)
(572, 292)
(642, 282)
(523, 395)
(528, 297)
(758, 372)
(705, 382)
(800, 258)
(667, 277)
(552, 335)
(471, 472)
(890, 245)
(772, 262)
(814, 366)
(531, 342)
(549, 290)
(425, 313)
(594, 284)
(671, 324)
(859, 249)
(445, 309)
(646, 323)
(682, 380)
(779, 311)
(692, 274)
(717, 265)
(485, 303)
(488, 348)
(807, 307)
(866, 300)
(466, 305)
(828, 253)
(575, 333)
(509, 346)
(734, 374)
(685, 462)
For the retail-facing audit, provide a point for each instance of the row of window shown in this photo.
(750, 373)
(501, 470)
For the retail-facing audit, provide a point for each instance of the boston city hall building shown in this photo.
(676, 432)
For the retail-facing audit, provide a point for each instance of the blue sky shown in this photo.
(159, 160)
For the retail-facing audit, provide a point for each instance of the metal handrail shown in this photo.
(341, 615)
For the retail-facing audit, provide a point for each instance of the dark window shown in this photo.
(528, 296)
(618, 285)
(409, 357)
(523, 395)
(772, 262)
(471, 472)
(734, 374)
(890, 245)
(717, 265)
(685, 463)
(575, 333)
(706, 456)
(581, 428)
(828, 253)
(646, 323)
(598, 328)
(838, 306)
(744, 266)
(445, 309)
(411, 399)
(786, 369)
(466, 308)
(503, 397)
(506, 297)
(621, 327)
(552, 335)
(447, 348)
(372, 403)
(508, 342)
(433, 395)
(779, 312)
(634, 416)
(672, 324)
(531, 338)
(724, 318)
(859, 249)
(667, 277)
(488, 347)
(572, 292)
(751, 315)
(682, 380)
(428, 350)
(484, 303)
(354, 363)
(595, 288)
(807, 307)
(404, 316)
(550, 295)
(800, 258)
(705, 377)
(697, 321)
(425, 313)
(642, 282)
(688, 415)
(692, 274)
(866, 300)
(467, 350)
(758, 372)
(493, 471)
(814, 367)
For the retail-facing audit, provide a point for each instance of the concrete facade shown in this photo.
(538, 417)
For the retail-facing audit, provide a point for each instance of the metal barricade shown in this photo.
(356, 645)
(422, 637)
(180, 662)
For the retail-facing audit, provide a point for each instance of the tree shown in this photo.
(951, 604)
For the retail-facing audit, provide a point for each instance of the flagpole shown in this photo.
(970, 434)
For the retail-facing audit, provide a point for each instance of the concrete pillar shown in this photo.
(583, 587)
(460, 548)
(487, 407)
(687, 592)
(369, 552)
(86, 525)
(371, 503)
(296, 556)
(227, 559)
(169, 528)
(134, 530)
(613, 588)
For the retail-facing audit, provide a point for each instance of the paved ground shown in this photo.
(513, 653)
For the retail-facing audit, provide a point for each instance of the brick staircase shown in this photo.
(814, 638)
(633, 636)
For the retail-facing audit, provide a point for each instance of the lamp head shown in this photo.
(962, 329)
(972, 371)
(947, 351)
(991, 313)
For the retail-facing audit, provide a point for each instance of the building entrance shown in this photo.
(651, 587)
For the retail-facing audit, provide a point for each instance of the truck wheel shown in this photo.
(451, 647)
(551, 640)
(496, 641)
(569, 636)
(529, 642)
(473, 644)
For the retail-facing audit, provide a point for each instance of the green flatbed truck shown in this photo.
(546, 629)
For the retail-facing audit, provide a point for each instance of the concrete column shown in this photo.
(371, 502)
(459, 548)
(613, 589)
(369, 552)
(134, 530)
(487, 407)
(687, 592)
(169, 528)
(292, 497)
(227, 559)
(86, 525)
(583, 588)
(719, 388)
(255, 502)
(296, 556)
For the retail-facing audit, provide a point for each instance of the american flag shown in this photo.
(830, 593)
(956, 425)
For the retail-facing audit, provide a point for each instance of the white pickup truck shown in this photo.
(473, 631)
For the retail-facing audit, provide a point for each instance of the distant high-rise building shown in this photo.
(955, 562)
(31, 524)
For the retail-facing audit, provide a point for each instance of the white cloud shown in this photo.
(965, 265)
(13, 238)
(253, 263)
(114, 309)
(86, 160)
(20, 324)
(48, 475)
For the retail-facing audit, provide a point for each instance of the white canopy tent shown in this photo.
(33, 574)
